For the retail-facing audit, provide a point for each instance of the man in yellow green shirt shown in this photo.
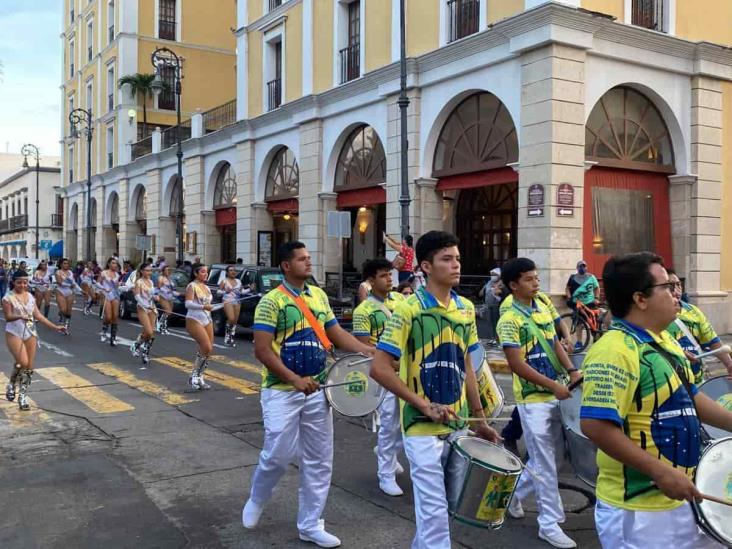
(369, 320)
(541, 369)
(642, 409)
(431, 334)
(298, 422)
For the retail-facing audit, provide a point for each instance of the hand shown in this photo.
(306, 385)
(59, 328)
(691, 357)
(561, 392)
(574, 377)
(564, 342)
(208, 308)
(484, 431)
(370, 351)
(675, 484)
(439, 413)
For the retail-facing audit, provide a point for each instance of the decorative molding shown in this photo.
(426, 182)
(272, 18)
(589, 164)
(688, 179)
(515, 166)
(323, 195)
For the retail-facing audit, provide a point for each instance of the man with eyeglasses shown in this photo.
(641, 408)
(694, 332)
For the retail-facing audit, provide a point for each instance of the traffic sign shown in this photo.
(45, 244)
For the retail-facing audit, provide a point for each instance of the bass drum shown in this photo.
(491, 394)
(713, 476)
(719, 389)
(581, 450)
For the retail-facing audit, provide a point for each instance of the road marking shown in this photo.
(230, 382)
(240, 364)
(54, 348)
(147, 387)
(95, 398)
(16, 417)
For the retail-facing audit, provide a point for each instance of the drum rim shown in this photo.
(327, 390)
(456, 447)
(702, 519)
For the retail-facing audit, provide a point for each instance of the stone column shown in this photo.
(311, 227)
(209, 239)
(246, 218)
(552, 152)
(333, 256)
(127, 226)
(153, 198)
(680, 187)
(195, 189)
(99, 252)
(260, 220)
(428, 204)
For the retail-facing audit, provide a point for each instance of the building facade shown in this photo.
(559, 131)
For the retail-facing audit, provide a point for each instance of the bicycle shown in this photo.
(585, 325)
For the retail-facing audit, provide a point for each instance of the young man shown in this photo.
(540, 367)
(582, 286)
(640, 407)
(369, 320)
(693, 331)
(431, 333)
(298, 422)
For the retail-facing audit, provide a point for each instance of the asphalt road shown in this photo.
(114, 454)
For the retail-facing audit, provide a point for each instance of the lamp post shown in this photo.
(161, 59)
(81, 119)
(31, 150)
(403, 103)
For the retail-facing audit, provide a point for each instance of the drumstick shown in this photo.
(362, 361)
(356, 382)
(717, 500)
(572, 386)
(473, 419)
(719, 350)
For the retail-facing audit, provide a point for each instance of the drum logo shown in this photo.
(726, 401)
(496, 496)
(358, 384)
(728, 488)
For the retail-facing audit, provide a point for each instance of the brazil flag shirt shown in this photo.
(630, 383)
(369, 318)
(431, 341)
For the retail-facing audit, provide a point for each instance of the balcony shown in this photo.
(57, 220)
(110, 102)
(219, 117)
(16, 223)
(274, 94)
(463, 17)
(166, 29)
(274, 4)
(110, 36)
(142, 147)
(170, 137)
(350, 62)
(648, 14)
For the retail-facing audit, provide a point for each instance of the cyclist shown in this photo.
(582, 286)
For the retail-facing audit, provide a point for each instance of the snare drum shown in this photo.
(359, 398)
(480, 479)
(714, 477)
(581, 451)
(491, 394)
(718, 389)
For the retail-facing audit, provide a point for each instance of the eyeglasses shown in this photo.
(670, 286)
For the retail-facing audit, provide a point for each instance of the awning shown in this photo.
(14, 243)
(57, 250)
(288, 205)
(361, 197)
(477, 179)
(226, 216)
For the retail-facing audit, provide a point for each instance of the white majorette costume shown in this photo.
(23, 328)
(195, 311)
(86, 280)
(231, 290)
(41, 284)
(166, 291)
(66, 287)
(110, 288)
(144, 296)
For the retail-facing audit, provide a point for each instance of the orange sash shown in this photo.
(310, 317)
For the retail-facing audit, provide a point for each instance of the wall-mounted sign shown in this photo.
(536, 200)
(565, 200)
(264, 248)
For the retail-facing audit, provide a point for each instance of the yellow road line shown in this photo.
(95, 398)
(147, 387)
(16, 417)
(231, 382)
(240, 364)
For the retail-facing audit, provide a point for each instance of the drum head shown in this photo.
(491, 455)
(570, 409)
(477, 356)
(718, 389)
(714, 477)
(362, 396)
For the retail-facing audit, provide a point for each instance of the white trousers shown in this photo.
(389, 440)
(296, 426)
(675, 529)
(542, 424)
(427, 456)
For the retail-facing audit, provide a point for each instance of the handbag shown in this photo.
(398, 262)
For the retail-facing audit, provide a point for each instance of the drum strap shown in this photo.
(550, 353)
(685, 330)
(309, 317)
(380, 305)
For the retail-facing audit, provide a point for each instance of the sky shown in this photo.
(31, 56)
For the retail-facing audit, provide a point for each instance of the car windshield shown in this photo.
(270, 281)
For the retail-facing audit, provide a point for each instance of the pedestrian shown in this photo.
(404, 262)
(147, 312)
(87, 281)
(3, 278)
(65, 287)
(110, 280)
(405, 288)
(167, 295)
(199, 325)
(231, 290)
(21, 314)
(41, 286)
(293, 327)
(492, 294)
(582, 286)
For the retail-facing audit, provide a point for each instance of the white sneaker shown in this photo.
(321, 538)
(515, 510)
(557, 538)
(250, 514)
(390, 488)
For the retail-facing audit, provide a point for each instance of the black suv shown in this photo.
(263, 280)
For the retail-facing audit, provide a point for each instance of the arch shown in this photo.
(93, 208)
(361, 161)
(177, 197)
(74, 217)
(140, 207)
(111, 210)
(626, 130)
(134, 197)
(224, 189)
(283, 176)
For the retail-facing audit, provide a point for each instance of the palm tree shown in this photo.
(142, 84)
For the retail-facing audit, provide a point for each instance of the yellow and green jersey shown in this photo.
(630, 383)
(699, 327)
(369, 318)
(514, 330)
(540, 296)
(431, 341)
(294, 340)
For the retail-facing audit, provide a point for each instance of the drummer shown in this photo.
(540, 369)
(693, 331)
(432, 333)
(298, 423)
(369, 319)
(637, 408)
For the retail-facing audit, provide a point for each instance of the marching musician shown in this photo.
(369, 319)
(432, 333)
(540, 367)
(298, 422)
(642, 409)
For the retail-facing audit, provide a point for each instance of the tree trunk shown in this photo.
(144, 116)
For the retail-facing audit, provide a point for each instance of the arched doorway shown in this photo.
(281, 195)
(475, 146)
(224, 204)
(72, 236)
(626, 199)
(359, 181)
(177, 212)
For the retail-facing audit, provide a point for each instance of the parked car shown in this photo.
(128, 305)
(263, 280)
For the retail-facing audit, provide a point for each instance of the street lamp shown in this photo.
(161, 59)
(403, 103)
(31, 150)
(81, 119)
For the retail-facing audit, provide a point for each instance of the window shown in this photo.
(25, 205)
(71, 164)
(110, 21)
(463, 18)
(72, 57)
(350, 56)
(166, 20)
(649, 14)
(89, 96)
(362, 162)
(274, 4)
(225, 190)
(110, 89)
(274, 86)
(283, 178)
(71, 108)
(110, 146)
(72, 13)
(166, 100)
(89, 40)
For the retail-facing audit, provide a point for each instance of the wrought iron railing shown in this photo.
(57, 220)
(350, 62)
(142, 147)
(463, 18)
(648, 14)
(166, 29)
(15, 223)
(170, 137)
(274, 4)
(219, 117)
(274, 94)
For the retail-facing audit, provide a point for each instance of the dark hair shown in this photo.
(512, 270)
(20, 273)
(432, 242)
(671, 272)
(405, 284)
(229, 267)
(624, 275)
(371, 267)
(60, 261)
(409, 240)
(286, 251)
(106, 266)
(197, 268)
(141, 267)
